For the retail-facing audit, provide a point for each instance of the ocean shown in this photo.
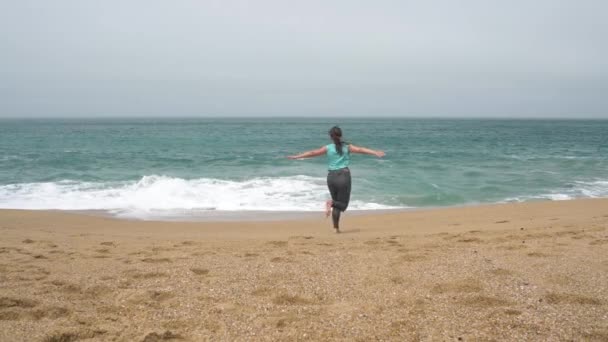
(168, 168)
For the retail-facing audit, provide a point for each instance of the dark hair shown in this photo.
(336, 135)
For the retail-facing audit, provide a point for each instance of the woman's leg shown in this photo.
(333, 185)
(335, 217)
(340, 185)
(328, 205)
(343, 181)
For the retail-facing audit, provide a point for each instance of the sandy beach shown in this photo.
(533, 271)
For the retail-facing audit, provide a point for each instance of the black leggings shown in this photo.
(338, 182)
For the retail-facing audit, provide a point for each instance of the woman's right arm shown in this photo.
(312, 153)
(364, 150)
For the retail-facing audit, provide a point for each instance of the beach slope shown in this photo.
(531, 271)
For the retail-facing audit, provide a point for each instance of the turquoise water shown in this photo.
(164, 167)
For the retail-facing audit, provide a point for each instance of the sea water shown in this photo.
(164, 168)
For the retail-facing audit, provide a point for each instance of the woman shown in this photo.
(338, 178)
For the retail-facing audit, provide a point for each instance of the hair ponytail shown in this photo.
(336, 135)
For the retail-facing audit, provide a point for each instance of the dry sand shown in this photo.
(534, 271)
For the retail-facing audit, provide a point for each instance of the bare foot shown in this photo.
(337, 230)
(328, 204)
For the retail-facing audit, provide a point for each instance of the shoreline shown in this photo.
(517, 271)
(218, 216)
(259, 217)
(233, 215)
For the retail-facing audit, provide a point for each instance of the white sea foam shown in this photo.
(579, 189)
(159, 196)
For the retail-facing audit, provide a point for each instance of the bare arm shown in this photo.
(364, 150)
(312, 153)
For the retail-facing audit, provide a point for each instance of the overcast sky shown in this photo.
(517, 58)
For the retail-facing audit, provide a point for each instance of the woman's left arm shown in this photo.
(312, 153)
(365, 150)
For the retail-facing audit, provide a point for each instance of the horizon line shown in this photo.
(462, 117)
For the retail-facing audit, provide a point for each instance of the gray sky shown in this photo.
(518, 58)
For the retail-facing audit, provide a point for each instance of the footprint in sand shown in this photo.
(301, 237)
(285, 321)
(467, 240)
(12, 309)
(166, 336)
(155, 260)
(11, 315)
(285, 299)
(537, 254)
(512, 312)
(160, 296)
(152, 298)
(50, 312)
(27, 273)
(158, 249)
(74, 336)
(512, 247)
(277, 243)
(411, 258)
(187, 243)
(56, 282)
(11, 302)
(571, 298)
(71, 288)
(262, 291)
(501, 272)
(145, 275)
(462, 286)
(397, 280)
(451, 236)
(280, 259)
(97, 291)
(480, 301)
(199, 271)
(596, 335)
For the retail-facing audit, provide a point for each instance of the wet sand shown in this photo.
(533, 271)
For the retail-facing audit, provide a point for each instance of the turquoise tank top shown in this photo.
(336, 161)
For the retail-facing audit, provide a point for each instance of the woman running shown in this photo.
(338, 178)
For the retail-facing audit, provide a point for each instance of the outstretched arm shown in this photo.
(312, 153)
(364, 150)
